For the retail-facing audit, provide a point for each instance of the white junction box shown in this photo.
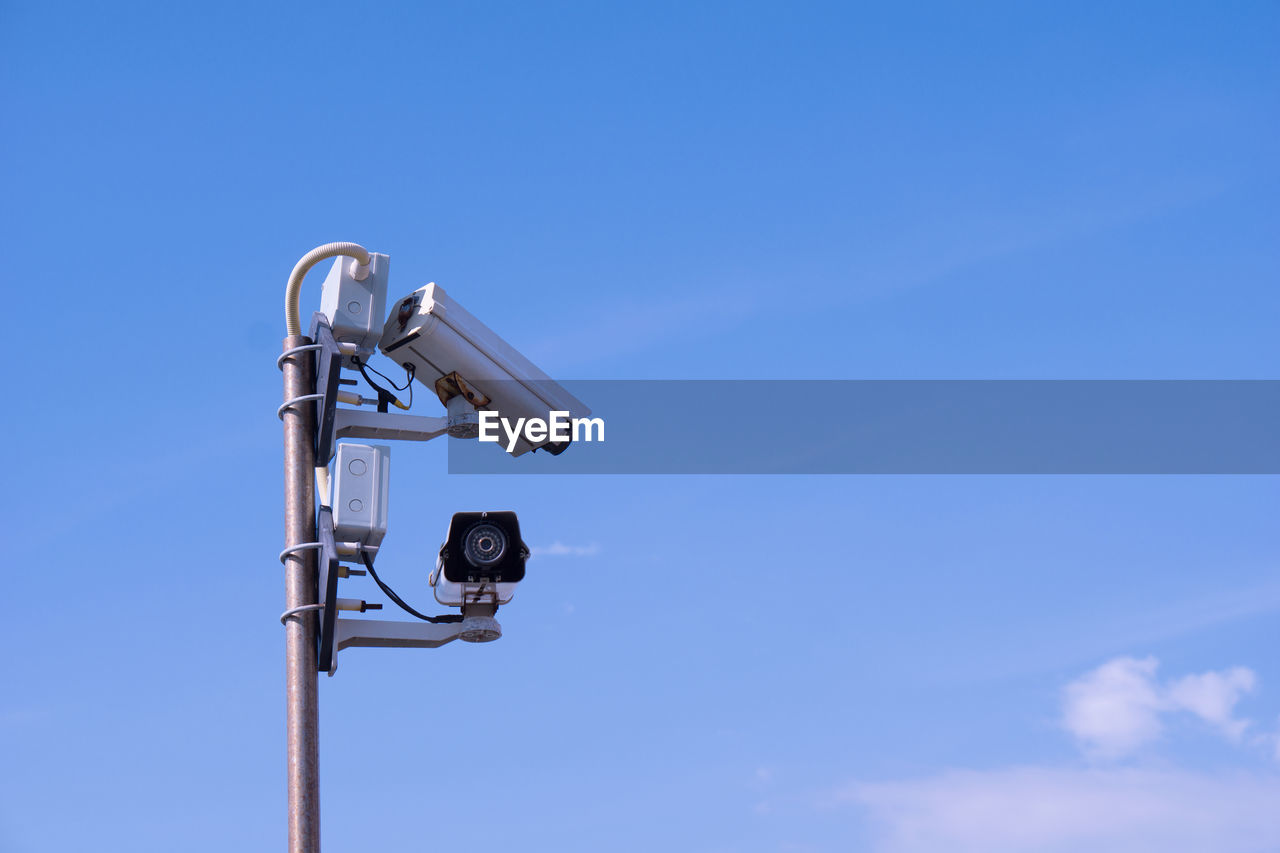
(362, 475)
(356, 309)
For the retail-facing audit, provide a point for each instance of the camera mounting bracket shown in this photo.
(353, 423)
(333, 423)
(477, 626)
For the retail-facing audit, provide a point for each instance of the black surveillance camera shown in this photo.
(484, 546)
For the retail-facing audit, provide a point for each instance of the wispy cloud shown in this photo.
(559, 549)
(1111, 711)
(1056, 810)
(1212, 696)
(1120, 706)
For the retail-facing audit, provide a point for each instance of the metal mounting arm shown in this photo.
(374, 633)
(477, 626)
(333, 423)
(378, 633)
(353, 423)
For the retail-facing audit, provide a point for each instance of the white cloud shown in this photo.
(1118, 707)
(559, 549)
(1212, 696)
(1046, 810)
(1112, 711)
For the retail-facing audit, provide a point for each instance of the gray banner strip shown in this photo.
(912, 427)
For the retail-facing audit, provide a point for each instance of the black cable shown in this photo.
(409, 372)
(408, 376)
(385, 397)
(383, 394)
(368, 564)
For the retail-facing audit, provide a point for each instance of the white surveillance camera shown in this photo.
(442, 343)
(481, 561)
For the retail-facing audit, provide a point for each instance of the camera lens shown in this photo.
(484, 544)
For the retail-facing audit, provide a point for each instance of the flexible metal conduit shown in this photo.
(292, 324)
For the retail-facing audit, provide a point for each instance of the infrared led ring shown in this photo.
(484, 544)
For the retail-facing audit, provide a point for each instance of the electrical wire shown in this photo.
(368, 564)
(408, 373)
(383, 393)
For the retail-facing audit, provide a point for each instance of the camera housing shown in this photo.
(482, 559)
(430, 333)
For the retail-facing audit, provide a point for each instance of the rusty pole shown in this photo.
(300, 589)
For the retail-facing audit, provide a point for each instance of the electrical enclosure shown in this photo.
(356, 310)
(361, 475)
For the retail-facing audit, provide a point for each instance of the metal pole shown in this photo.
(300, 589)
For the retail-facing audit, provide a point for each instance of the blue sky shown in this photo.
(656, 191)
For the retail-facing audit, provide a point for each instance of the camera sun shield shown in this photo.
(484, 547)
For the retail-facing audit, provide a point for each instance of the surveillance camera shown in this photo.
(454, 354)
(481, 560)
